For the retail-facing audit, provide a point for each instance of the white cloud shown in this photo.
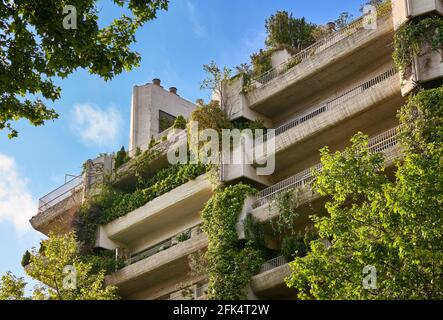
(198, 29)
(97, 126)
(16, 203)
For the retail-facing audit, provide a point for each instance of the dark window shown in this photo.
(165, 120)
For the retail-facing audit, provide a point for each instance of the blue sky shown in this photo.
(173, 48)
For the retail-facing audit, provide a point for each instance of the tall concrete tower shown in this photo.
(153, 110)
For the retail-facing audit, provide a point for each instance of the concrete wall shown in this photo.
(404, 10)
(147, 100)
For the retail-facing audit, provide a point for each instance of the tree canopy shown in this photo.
(394, 225)
(62, 273)
(41, 40)
(283, 29)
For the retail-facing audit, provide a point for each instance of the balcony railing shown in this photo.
(273, 263)
(164, 245)
(336, 102)
(317, 47)
(379, 143)
(198, 292)
(61, 193)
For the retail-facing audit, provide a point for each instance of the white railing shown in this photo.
(315, 48)
(273, 263)
(61, 193)
(336, 102)
(376, 144)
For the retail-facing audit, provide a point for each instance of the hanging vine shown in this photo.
(415, 35)
(231, 262)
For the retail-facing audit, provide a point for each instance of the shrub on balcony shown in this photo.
(183, 237)
(111, 203)
(411, 38)
(211, 116)
(121, 158)
(179, 123)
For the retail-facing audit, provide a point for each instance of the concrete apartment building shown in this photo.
(342, 84)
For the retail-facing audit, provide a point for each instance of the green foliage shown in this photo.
(254, 233)
(103, 260)
(152, 143)
(410, 39)
(111, 204)
(35, 49)
(121, 158)
(230, 265)
(297, 245)
(261, 62)
(48, 267)
(283, 29)
(183, 237)
(211, 116)
(11, 287)
(395, 226)
(286, 204)
(293, 246)
(180, 123)
(26, 258)
(215, 82)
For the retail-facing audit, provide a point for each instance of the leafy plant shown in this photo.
(293, 246)
(286, 204)
(26, 258)
(183, 236)
(394, 225)
(121, 158)
(180, 123)
(36, 48)
(415, 35)
(111, 204)
(230, 265)
(47, 267)
(283, 28)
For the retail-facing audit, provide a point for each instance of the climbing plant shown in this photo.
(410, 39)
(286, 204)
(231, 263)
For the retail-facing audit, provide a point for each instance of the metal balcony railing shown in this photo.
(336, 102)
(379, 143)
(201, 290)
(164, 245)
(61, 193)
(273, 263)
(317, 47)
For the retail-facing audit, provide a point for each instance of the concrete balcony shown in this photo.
(370, 107)
(270, 282)
(57, 209)
(322, 66)
(404, 10)
(159, 219)
(125, 175)
(264, 211)
(159, 274)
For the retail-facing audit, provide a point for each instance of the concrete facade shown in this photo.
(343, 84)
(147, 102)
